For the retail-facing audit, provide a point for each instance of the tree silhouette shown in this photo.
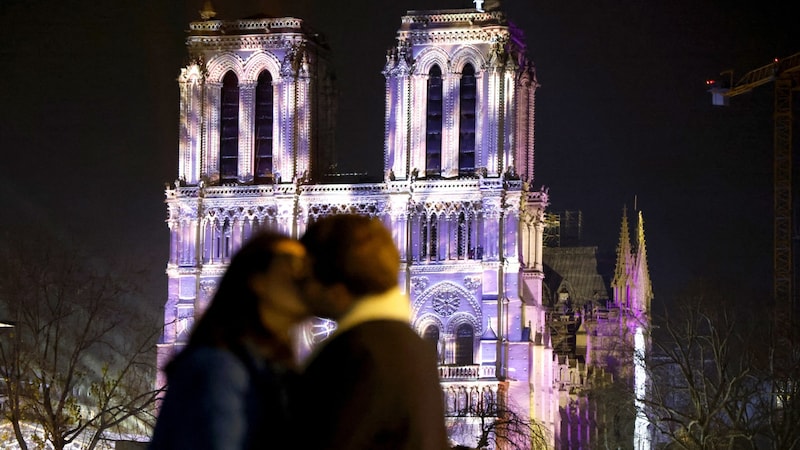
(715, 379)
(494, 423)
(79, 361)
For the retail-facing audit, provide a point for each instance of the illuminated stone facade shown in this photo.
(256, 123)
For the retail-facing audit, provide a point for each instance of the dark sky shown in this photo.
(89, 119)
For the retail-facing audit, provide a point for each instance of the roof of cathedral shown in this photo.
(575, 269)
(451, 18)
(256, 24)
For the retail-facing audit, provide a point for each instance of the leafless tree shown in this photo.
(497, 424)
(703, 390)
(614, 412)
(778, 371)
(78, 362)
(720, 374)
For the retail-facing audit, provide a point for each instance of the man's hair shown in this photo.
(354, 250)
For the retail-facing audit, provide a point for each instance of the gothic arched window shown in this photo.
(263, 128)
(431, 335)
(465, 337)
(423, 238)
(464, 237)
(229, 128)
(466, 127)
(433, 236)
(433, 123)
(225, 241)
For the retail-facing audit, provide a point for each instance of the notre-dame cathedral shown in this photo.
(257, 111)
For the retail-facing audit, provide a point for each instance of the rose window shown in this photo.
(446, 303)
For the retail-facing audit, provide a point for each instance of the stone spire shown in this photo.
(631, 283)
(622, 268)
(642, 274)
(208, 12)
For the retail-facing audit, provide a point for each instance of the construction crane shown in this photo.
(785, 74)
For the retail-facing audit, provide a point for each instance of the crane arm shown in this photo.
(764, 74)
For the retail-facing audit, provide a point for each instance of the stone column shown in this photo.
(451, 83)
(418, 113)
(209, 161)
(192, 86)
(246, 130)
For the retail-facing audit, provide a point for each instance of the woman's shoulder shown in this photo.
(213, 363)
(205, 354)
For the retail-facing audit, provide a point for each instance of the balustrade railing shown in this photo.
(472, 398)
(466, 372)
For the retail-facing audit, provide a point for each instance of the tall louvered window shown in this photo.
(464, 237)
(263, 130)
(466, 127)
(433, 237)
(224, 242)
(429, 238)
(229, 128)
(423, 238)
(433, 127)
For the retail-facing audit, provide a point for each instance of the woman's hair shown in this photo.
(234, 311)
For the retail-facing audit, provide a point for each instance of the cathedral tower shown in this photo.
(255, 121)
(459, 148)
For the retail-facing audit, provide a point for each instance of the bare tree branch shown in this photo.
(79, 361)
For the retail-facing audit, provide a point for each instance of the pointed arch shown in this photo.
(225, 241)
(465, 344)
(258, 63)
(468, 101)
(229, 128)
(433, 237)
(468, 310)
(464, 328)
(431, 333)
(422, 323)
(434, 121)
(431, 329)
(468, 55)
(424, 233)
(463, 318)
(221, 64)
(264, 128)
(465, 235)
(428, 58)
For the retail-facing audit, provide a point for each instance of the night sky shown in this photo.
(89, 119)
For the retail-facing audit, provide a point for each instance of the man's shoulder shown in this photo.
(382, 329)
(378, 337)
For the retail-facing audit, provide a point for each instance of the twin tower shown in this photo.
(257, 110)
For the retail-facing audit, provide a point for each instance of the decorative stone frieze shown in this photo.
(419, 284)
(473, 284)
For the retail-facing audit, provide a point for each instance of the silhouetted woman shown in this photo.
(227, 388)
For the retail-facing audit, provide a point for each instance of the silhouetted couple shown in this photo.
(372, 385)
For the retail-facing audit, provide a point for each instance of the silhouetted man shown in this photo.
(374, 384)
